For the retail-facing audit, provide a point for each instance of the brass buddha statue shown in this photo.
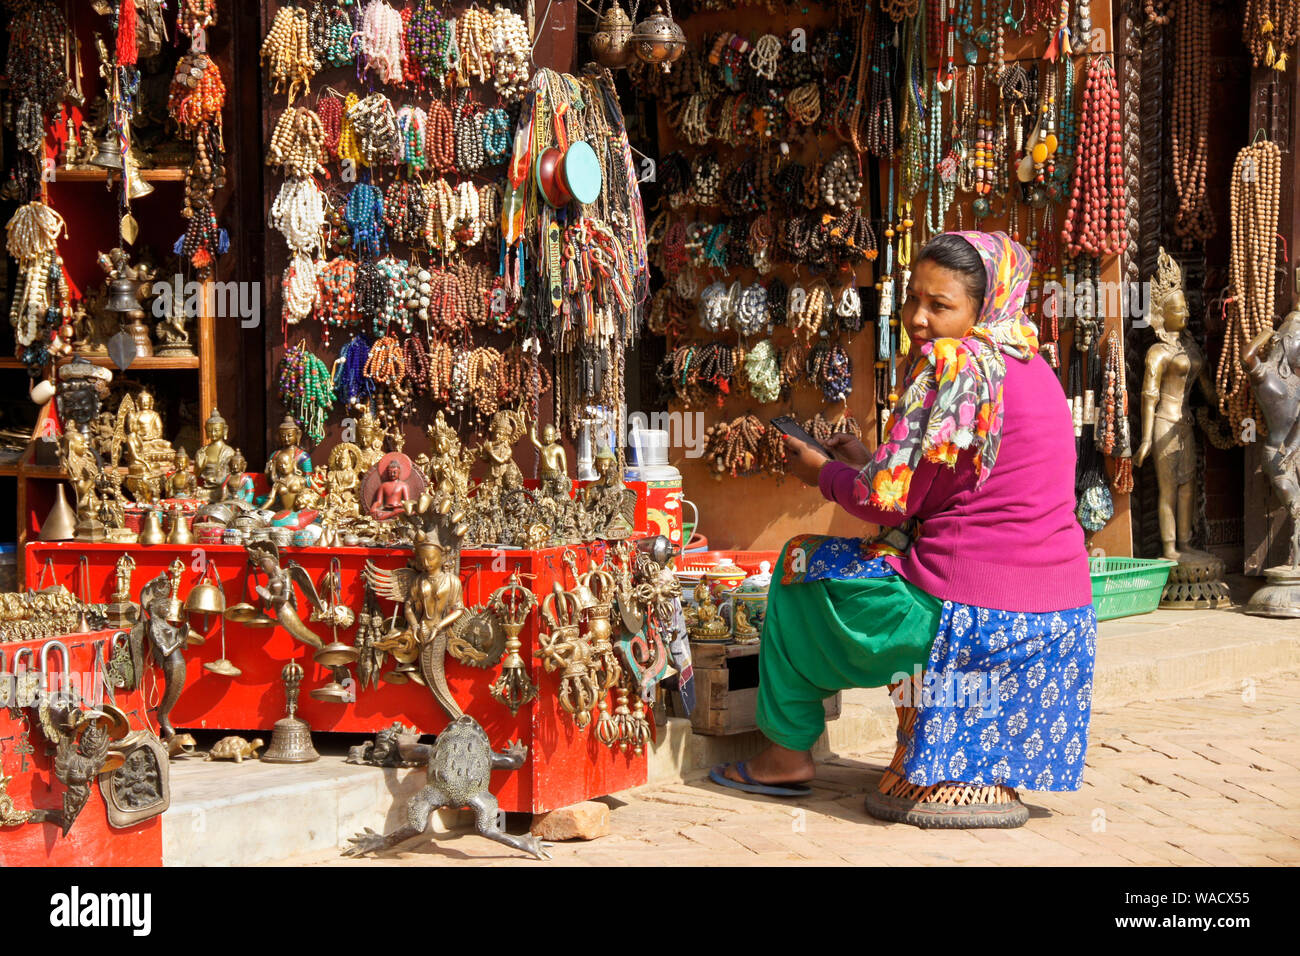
(288, 469)
(212, 462)
(144, 437)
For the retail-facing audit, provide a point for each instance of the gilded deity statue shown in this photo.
(1174, 364)
(212, 462)
(370, 436)
(343, 480)
(288, 469)
(144, 436)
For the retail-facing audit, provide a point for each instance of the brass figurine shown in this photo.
(213, 463)
(234, 748)
(512, 603)
(460, 763)
(288, 469)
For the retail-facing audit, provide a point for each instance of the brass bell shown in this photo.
(336, 654)
(658, 39)
(331, 693)
(180, 529)
(122, 296)
(136, 186)
(611, 44)
(109, 155)
(222, 667)
(152, 532)
(291, 735)
(61, 523)
(205, 599)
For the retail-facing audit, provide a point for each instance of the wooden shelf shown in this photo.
(94, 174)
(44, 471)
(153, 363)
(7, 362)
(9, 471)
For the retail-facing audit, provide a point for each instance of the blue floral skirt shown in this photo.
(1004, 697)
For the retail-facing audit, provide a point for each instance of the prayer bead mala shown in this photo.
(331, 33)
(412, 123)
(365, 218)
(831, 370)
(301, 289)
(1190, 122)
(32, 241)
(297, 143)
(381, 41)
(1113, 436)
(763, 371)
(440, 138)
(794, 363)
(1095, 222)
(512, 56)
(822, 430)
(298, 213)
(1256, 202)
(195, 15)
(485, 382)
(374, 124)
(429, 37)
(841, 182)
(350, 383)
(307, 390)
(338, 280)
(1270, 29)
(386, 364)
(469, 126)
(286, 52)
(474, 40)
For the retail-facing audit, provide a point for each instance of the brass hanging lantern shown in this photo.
(611, 44)
(658, 39)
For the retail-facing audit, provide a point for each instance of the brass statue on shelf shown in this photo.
(84, 473)
(609, 504)
(703, 621)
(288, 469)
(343, 480)
(498, 452)
(449, 466)
(554, 470)
(171, 332)
(213, 461)
(124, 284)
(143, 431)
(1272, 361)
(122, 612)
(370, 436)
(181, 482)
(1174, 364)
(163, 628)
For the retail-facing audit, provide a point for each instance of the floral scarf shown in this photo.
(952, 393)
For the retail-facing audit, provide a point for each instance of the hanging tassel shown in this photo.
(1270, 56)
(126, 48)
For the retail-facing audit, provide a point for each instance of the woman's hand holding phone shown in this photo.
(848, 449)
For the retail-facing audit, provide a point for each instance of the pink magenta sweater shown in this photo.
(1013, 545)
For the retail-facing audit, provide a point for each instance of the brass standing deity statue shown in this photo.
(1272, 361)
(1174, 364)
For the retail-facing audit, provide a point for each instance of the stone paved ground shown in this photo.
(1210, 780)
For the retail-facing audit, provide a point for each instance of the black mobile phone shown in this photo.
(788, 426)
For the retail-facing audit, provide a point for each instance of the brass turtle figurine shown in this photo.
(234, 748)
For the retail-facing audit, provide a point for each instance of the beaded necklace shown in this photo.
(365, 218)
(307, 390)
(351, 385)
(337, 279)
(287, 52)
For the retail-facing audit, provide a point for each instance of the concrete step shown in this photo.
(228, 814)
(242, 814)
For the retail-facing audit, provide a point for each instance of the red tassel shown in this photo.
(126, 50)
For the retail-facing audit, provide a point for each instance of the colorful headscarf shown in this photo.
(952, 393)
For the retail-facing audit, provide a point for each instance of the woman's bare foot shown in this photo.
(777, 765)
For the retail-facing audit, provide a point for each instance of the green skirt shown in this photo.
(824, 636)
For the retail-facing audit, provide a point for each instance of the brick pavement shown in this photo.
(1211, 780)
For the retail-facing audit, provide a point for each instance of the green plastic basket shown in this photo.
(1125, 586)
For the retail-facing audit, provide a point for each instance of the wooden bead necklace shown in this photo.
(1270, 28)
(1256, 203)
(287, 54)
(297, 143)
(1190, 123)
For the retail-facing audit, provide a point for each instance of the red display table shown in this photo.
(565, 765)
(34, 786)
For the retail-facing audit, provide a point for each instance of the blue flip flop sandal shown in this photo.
(718, 776)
